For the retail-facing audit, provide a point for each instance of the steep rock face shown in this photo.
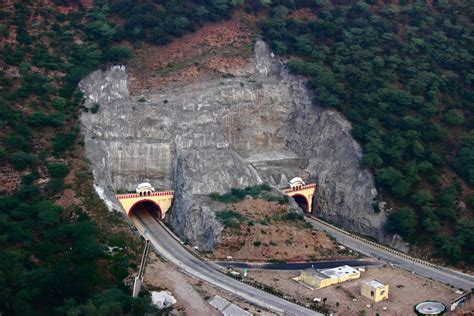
(215, 135)
(345, 191)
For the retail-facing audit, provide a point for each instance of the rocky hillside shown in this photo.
(225, 132)
(261, 230)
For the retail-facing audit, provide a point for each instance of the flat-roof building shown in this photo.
(375, 290)
(323, 278)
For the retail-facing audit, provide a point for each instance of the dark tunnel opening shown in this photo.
(146, 206)
(302, 202)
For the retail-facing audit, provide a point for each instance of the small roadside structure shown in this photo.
(375, 290)
(323, 278)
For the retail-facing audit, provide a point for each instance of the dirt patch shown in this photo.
(68, 198)
(10, 180)
(216, 49)
(305, 14)
(191, 294)
(405, 291)
(265, 234)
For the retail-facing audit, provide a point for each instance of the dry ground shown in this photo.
(405, 291)
(214, 50)
(191, 293)
(262, 237)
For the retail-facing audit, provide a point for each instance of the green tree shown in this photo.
(464, 160)
(454, 117)
(58, 170)
(22, 160)
(403, 222)
(422, 198)
(117, 54)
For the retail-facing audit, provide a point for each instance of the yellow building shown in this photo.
(314, 279)
(374, 290)
(323, 278)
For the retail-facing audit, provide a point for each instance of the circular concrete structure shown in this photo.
(430, 308)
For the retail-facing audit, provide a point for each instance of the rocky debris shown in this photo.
(162, 299)
(222, 133)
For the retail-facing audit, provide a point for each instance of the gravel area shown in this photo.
(406, 290)
(191, 294)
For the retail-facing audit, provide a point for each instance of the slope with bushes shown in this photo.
(402, 74)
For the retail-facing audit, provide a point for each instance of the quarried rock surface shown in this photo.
(222, 133)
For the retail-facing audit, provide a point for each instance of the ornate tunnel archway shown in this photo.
(146, 205)
(302, 193)
(157, 203)
(302, 202)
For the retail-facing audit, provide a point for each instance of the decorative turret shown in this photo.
(145, 189)
(296, 183)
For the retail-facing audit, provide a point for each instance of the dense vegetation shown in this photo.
(54, 259)
(158, 22)
(402, 74)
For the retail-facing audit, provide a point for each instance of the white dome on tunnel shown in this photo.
(145, 187)
(297, 181)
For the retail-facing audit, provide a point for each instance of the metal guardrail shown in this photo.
(221, 270)
(393, 251)
(396, 252)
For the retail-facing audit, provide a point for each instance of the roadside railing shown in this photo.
(388, 249)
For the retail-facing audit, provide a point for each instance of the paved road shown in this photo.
(448, 276)
(297, 265)
(172, 250)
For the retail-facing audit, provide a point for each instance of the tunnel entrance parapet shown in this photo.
(146, 195)
(302, 193)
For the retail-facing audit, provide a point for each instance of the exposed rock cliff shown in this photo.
(214, 135)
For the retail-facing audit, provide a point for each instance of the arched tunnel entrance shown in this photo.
(146, 206)
(302, 202)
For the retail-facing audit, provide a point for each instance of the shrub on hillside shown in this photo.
(402, 222)
(230, 218)
(22, 160)
(58, 170)
(62, 142)
(236, 194)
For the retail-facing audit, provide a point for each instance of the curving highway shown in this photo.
(172, 250)
(426, 269)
